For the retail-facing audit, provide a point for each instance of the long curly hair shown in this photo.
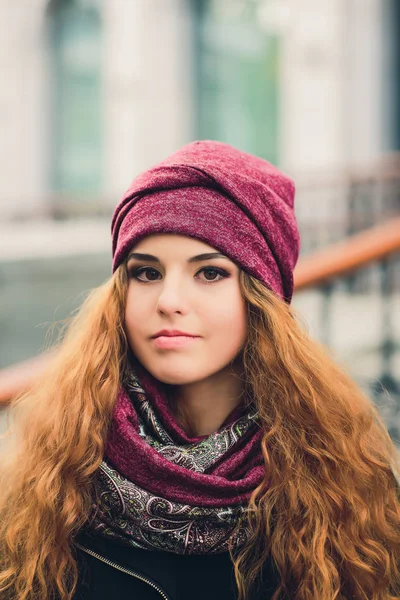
(327, 512)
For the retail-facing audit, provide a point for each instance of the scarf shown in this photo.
(159, 489)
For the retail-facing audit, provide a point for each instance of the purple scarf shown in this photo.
(160, 489)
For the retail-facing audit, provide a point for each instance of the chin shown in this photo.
(175, 379)
(175, 376)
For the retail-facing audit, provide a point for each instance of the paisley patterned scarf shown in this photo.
(160, 489)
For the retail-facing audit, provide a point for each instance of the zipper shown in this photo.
(123, 569)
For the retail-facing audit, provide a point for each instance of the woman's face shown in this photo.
(173, 289)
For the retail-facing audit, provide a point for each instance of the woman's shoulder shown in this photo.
(108, 569)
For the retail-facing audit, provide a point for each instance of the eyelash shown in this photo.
(135, 272)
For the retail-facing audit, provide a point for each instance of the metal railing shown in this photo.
(331, 208)
(376, 254)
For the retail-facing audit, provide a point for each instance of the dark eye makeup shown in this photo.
(135, 272)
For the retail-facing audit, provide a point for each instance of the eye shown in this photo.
(135, 274)
(221, 272)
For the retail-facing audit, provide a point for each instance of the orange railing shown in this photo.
(348, 256)
(312, 271)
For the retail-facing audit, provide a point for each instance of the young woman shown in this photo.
(189, 440)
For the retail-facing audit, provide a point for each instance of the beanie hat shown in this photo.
(236, 202)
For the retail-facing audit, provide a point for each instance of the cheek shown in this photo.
(228, 324)
(134, 317)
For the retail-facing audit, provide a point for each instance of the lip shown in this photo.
(173, 333)
(168, 342)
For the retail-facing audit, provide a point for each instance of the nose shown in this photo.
(173, 297)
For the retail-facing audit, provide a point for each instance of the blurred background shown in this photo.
(95, 91)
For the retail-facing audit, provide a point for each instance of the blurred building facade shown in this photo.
(92, 92)
(95, 91)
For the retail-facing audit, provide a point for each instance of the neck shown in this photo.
(202, 407)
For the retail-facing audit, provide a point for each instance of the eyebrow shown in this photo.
(198, 258)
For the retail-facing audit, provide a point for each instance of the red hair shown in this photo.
(327, 513)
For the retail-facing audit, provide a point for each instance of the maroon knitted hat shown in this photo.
(236, 202)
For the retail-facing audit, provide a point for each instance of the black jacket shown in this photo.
(110, 571)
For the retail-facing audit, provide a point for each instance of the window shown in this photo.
(237, 76)
(76, 103)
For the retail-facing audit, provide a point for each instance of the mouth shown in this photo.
(167, 342)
